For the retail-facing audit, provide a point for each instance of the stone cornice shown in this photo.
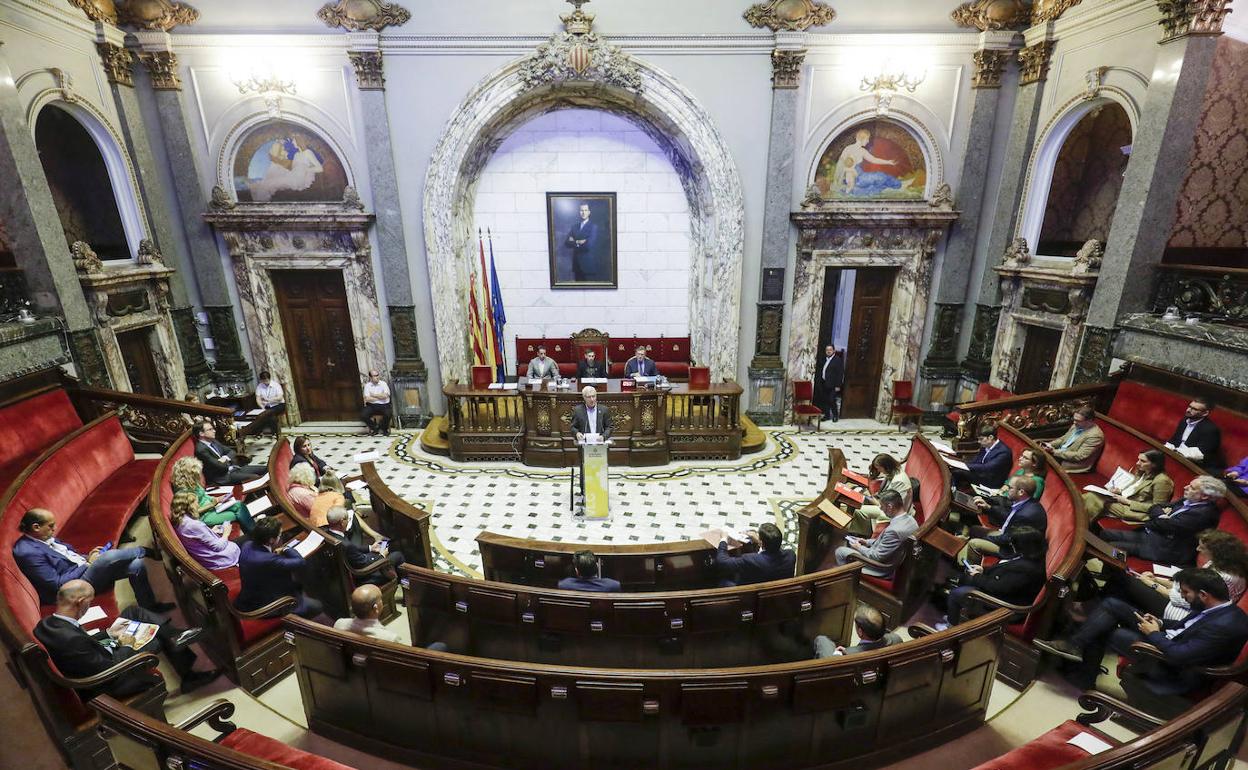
(869, 216)
(303, 217)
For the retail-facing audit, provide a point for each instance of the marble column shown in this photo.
(766, 370)
(941, 369)
(408, 372)
(197, 241)
(1160, 151)
(1033, 69)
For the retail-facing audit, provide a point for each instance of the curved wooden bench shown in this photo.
(773, 621)
(435, 709)
(247, 646)
(405, 524)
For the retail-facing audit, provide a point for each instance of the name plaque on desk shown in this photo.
(772, 289)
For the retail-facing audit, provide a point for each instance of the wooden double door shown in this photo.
(868, 334)
(316, 324)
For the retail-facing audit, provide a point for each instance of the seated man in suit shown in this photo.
(360, 554)
(221, 467)
(872, 635)
(542, 367)
(79, 653)
(590, 366)
(640, 365)
(1080, 447)
(1016, 579)
(1169, 533)
(772, 562)
(48, 563)
(890, 546)
(1212, 634)
(1197, 437)
(991, 465)
(588, 577)
(1018, 508)
(266, 572)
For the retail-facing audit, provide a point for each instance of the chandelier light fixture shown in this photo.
(888, 83)
(271, 88)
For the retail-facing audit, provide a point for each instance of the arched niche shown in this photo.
(84, 183)
(663, 109)
(282, 160)
(897, 136)
(1077, 177)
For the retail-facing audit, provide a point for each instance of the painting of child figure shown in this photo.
(874, 160)
(279, 161)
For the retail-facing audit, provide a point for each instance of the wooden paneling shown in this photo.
(316, 323)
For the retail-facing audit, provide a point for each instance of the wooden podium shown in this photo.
(594, 476)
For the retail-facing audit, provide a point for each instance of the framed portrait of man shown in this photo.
(581, 235)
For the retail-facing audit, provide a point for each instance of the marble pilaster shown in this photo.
(89, 362)
(30, 216)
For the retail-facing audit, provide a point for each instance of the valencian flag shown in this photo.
(476, 326)
(490, 344)
(499, 315)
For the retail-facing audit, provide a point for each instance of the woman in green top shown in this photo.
(188, 476)
(1030, 463)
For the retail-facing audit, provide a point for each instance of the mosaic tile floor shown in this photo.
(672, 502)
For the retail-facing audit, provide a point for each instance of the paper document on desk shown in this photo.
(309, 544)
(984, 491)
(494, 386)
(241, 423)
(93, 613)
(591, 438)
(1089, 743)
(954, 463)
(225, 504)
(943, 448)
(593, 380)
(259, 505)
(1098, 490)
(356, 485)
(218, 491)
(252, 486)
(1164, 570)
(254, 412)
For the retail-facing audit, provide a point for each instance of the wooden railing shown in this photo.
(405, 524)
(1038, 414)
(1218, 294)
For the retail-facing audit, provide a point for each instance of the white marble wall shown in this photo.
(587, 151)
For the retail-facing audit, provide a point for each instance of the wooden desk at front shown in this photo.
(649, 427)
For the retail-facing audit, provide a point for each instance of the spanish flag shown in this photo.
(481, 315)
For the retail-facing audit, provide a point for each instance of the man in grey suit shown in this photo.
(543, 367)
(589, 418)
(872, 635)
(890, 546)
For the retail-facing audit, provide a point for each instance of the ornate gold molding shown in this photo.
(1033, 62)
(789, 15)
(985, 15)
(1050, 10)
(989, 64)
(97, 10)
(786, 68)
(1180, 18)
(163, 15)
(117, 63)
(357, 15)
(368, 70)
(162, 66)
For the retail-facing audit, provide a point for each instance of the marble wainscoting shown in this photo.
(1216, 353)
(904, 239)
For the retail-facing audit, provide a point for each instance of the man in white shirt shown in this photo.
(376, 405)
(270, 397)
(542, 367)
(589, 418)
(366, 607)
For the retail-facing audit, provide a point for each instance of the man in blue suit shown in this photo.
(640, 364)
(266, 572)
(772, 562)
(1170, 532)
(583, 239)
(991, 465)
(585, 565)
(1017, 509)
(49, 564)
(1212, 634)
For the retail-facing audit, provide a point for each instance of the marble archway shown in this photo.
(577, 68)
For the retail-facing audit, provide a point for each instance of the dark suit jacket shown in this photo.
(755, 567)
(826, 387)
(1015, 580)
(586, 369)
(78, 654)
(318, 465)
(888, 640)
(587, 233)
(46, 569)
(265, 576)
(580, 421)
(645, 367)
(1172, 539)
(216, 466)
(1215, 639)
(1206, 436)
(357, 552)
(1032, 514)
(598, 585)
(991, 466)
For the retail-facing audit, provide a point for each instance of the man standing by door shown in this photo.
(829, 379)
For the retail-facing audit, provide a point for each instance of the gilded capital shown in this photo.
(789, 15)
(117, 63)
(368, 70)
(97, 10)
(162, 66)
(786, 68)
(986, 15)
(1033, 62)
(1050, 10)
(161, 15)
(989, 64)
(1181, 18)
(361, 15)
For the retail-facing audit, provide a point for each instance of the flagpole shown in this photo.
(502, 349)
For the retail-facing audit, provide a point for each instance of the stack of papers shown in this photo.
(943, 448)
(356, 485)
(252, 486)
(254, 413)
(955, 463)
(241, 423)
(218, 491)
(309, 544)
(259, 506)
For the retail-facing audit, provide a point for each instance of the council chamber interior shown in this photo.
(499, 385)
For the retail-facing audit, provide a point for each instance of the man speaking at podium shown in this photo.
(589, 418)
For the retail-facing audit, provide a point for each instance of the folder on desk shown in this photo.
(851, 494)
(837, 516)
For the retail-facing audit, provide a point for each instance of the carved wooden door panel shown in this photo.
(136, 351)
(317, 327)
(1035, 369)
(868, 334)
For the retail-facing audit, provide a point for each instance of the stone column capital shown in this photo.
(989, 64)
(1181, 18)
(162, 66)
(118, 63)
(369, 72)
(786, 68)
(1033, 62)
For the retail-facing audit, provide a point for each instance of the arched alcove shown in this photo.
(1085, 180)
(81, 185)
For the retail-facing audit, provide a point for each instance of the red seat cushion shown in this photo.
(676, 369)
(270, 750)
(884, 584)
(1050, 750)
(34, 424)
(248, 631)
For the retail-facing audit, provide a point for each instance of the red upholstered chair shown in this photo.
(903, 392)
(803, 409)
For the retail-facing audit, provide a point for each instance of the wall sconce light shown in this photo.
(886, 85)
(270, 88)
